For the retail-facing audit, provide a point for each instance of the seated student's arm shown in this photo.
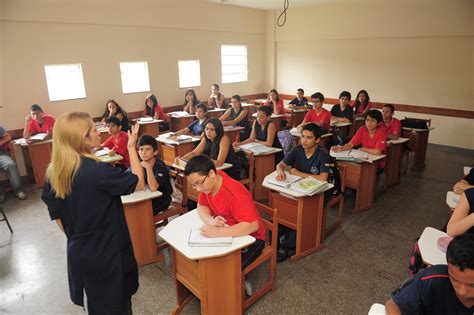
(135, 165)
(209, 102)
(239, 229)
(225, 116)
(271, 134)
(26, 129)
(184, 131)
(187, 108)
(322, 176)
(281, 171)
(371, 151)
(347, 146)
(250, 139)
(150, 176)
(220, 100)
(223, 151)
(391, 308)
(461, 186)
(5, 138)
(233, 122)
(393, 136)
(461, 220)
(197, 151)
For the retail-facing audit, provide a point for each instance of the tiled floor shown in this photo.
(362, 262)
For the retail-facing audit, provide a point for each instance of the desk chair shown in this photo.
(356, 124)
(5, 219)
(250, 180)
(334, 200)
(268, 253)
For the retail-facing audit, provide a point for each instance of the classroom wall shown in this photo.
(406, 52)
(101, 33)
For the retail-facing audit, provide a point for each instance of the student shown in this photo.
(299, 102)
(370, 137)
(197, 126)
(441, 289)
(9, 166)
(264, 131)
(465, 183)
(275, 102)
(462, 219)
(190, 101)
(342, 112)
(112, 108)
(237, 116)
(117, 142)
(38, 122)
(153, 109)
(83, 197)
(216, 145)
(318, 115)
(390, 125)
(362, 103)
(306, 159)
(156, 173)
(217, 99)
(225, 206)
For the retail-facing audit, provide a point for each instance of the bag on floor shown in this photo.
(416, 262)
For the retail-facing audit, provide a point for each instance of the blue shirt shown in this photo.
(348, 112)
(315, 164)
(430, 292)
(196, 128)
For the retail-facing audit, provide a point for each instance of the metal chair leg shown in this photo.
(6, 220)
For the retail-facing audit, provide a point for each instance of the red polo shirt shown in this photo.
(233, 202)
(394, 128)
(324, 116)
(119, 145)
(46, 126)
(280, 108)
(378, 141)
(360, 109)
(161, 113)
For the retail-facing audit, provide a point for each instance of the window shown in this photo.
(65, 82)
(134, 77)
(189, 73)
(234, 63)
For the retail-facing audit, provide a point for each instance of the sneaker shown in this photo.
(282, 255)
(248, 288)
(21, 195)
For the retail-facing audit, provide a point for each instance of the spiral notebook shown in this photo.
(197, 239)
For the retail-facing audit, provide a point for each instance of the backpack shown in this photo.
(287, 140)
(244, 164)
(334, 176)
(416, 262)
(414, 123)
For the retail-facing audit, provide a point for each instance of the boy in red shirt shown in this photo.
(370, 137)
(38, 122)
(225, 206)
(318, 115)
(117, 142)
(390, 125)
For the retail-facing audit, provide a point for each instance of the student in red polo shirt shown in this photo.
(362, 103)
(154, 109)
(318, 115)
(390, 125)
(275, 102)
(370, 137)
(224, 201)
(117, 142)
(38, 122)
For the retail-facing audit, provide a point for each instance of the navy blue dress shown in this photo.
(261, 134)
(99, 250)
(245, 133)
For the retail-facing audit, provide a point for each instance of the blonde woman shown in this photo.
(83, 196)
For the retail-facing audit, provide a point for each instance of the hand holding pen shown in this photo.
(217, 221)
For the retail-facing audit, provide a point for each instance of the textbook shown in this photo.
(350, 155)
(256, 148)
(197, 239)
(38, 136)
(309, 186)
(102, 152)
(290, 179)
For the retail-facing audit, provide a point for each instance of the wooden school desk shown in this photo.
(361, 176)
(233, 132)
(264, 165)
(180, 121)
(139, 214)
(193, 193)
(37, 156)
(343, 127)
(393, 162)
(251, 108)
(429, 250)
(151, 128)
(276, 118)
(296, 116)
(258, 102)
(171, 149)
(212, 274)
(216, 112)
(418, 144)
(302, 213)
(103, 133)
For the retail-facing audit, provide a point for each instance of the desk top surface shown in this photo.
(273, 115)
(154, 121)
(345, 156)
(398, 141)
(428, 243)
(110, 159)
(233, 128)
(288, 191)
(222, 167)
(418, 130)
(165, 138)
(140, 195)
(216, 110)
(22, 142)
(176, 233)
(340, 124)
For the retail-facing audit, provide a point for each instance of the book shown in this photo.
(290, 179)
(180, 114)
(146, 119)
(38, 137)
(309, 186)
(350, 155)
(104, 151)
(256, 148)
(197, 239)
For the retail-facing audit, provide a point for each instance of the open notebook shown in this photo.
(351, 155)
(256, 148)
(308, 186)
(197, 239)
(102, 152)
(38, 137)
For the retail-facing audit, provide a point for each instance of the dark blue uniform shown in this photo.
(297, 102)
(162, 176)
(245, 133)
(315, 164)
(431, 292)
(196, 128)
(348, 112)
(99, 250)
(261, 134)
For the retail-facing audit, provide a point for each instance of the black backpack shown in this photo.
(414, 123)
(334, 176)
(244, 164)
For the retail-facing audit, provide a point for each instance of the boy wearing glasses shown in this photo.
(225, 206)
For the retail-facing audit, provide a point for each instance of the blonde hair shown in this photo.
(69, 133)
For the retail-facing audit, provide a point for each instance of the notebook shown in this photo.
(197, 239)
(309, 186)
(256, 148)
(290, 179)
(180, 114)
(350, 155)
(146, 119)
(102, 152)
(38, 136)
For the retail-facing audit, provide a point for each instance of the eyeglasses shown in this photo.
(196, 184)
